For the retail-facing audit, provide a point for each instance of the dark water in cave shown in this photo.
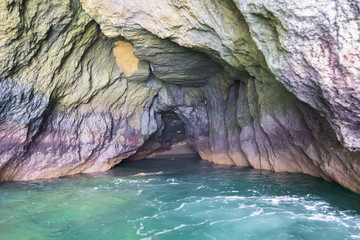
(179, 199)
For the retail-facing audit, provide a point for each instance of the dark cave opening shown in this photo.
(169, 141)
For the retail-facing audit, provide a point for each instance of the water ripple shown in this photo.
(153, 200)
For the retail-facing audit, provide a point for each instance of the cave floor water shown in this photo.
(179, 199)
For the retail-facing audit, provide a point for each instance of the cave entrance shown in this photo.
(169, 141)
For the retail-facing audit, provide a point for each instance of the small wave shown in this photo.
(163, 232)
(154, 173)
(126, 181)
(327, 218)
(181, 206)
(138, 231)
(172, 181)
(310, 207)
(242, 205)
(231, 198)
(253, 214)
(257, 212)
(277, 200)
(228, 220)
(156, 216)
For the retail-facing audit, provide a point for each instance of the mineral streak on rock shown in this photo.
(80, 95)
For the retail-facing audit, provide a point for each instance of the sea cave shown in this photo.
(179, 119)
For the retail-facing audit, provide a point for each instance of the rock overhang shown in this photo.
(205, 61)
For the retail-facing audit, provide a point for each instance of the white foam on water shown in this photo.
(281, 199)
(148, 217)
(181, 206)
(127, 181)
(328, 218)
(275, 201)
(228, 220)
(100, 187)
(242, 205)
(310, 207)
(138, 231)
(172, 181)
(231, 198)
(155, 173)
(257, 212)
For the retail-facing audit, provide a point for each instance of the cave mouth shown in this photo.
(168, 142)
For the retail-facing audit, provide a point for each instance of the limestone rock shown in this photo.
(63, 95)
(312, 47)
(226, 76)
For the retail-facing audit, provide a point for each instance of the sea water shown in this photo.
(179, 199)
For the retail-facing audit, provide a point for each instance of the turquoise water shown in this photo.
(181, 199)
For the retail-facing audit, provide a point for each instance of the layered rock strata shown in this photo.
(245, 83)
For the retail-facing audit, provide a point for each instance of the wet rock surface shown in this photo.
(82, 90)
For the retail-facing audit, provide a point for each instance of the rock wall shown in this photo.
(66, 107)
(313, 49)
(272, 86)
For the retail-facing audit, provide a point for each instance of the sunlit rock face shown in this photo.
(80, 92)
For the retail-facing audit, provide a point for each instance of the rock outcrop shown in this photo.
(248, 83)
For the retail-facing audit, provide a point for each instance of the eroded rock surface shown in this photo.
(226, 76)
(313, 48)
(66, 106)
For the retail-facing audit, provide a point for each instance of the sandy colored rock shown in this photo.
(125, 58)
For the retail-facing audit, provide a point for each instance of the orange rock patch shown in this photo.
(125, 58)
